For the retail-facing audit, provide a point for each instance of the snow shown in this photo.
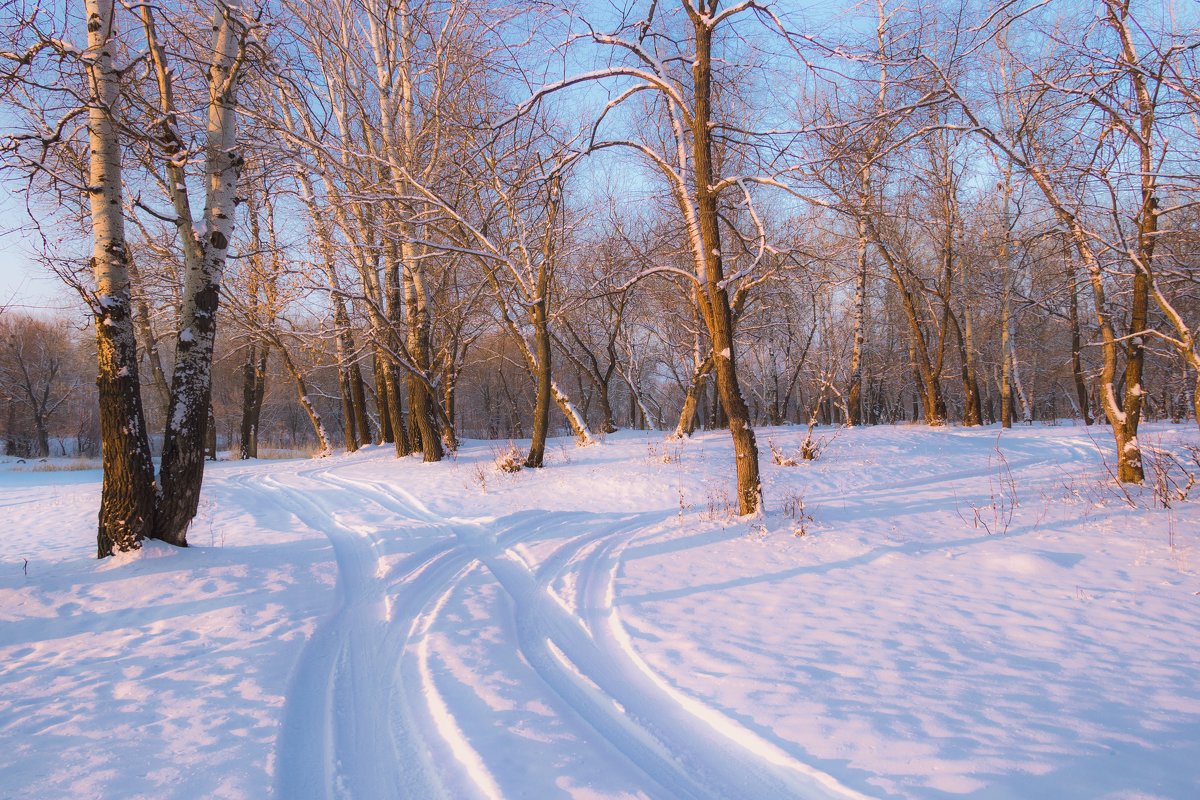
(365, 626)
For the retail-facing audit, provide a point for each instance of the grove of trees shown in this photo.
(336, 223)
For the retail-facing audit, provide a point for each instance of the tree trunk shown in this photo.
(393, 383)
(422, 413)
(182, 470)
(1081, 391)
(1129, 454)
(210, 435)
(254, 382)
(358, 392)
(383, 402)
(1018, 384)
(127, 493)
(687, 416)
(541, 405)
(349, 420)
(717, 312)
(973, 400)
(854, 390)
(972, 414)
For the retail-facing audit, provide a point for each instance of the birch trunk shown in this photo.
(182, 470)
(127, 493)
(854, 390)
(422, 414)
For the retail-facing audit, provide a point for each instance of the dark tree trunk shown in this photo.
(128, 492)
(1081, 391)
(1129, 469)
(395, 407)
(541, 403)
(695, 390)
(210, 435)
(383, 402)
(349, 421)
(423, 420)
(181, 474)
(254, 384)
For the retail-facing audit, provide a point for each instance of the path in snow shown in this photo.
(370, 714)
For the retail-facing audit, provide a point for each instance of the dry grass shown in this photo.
(267, 453)
(509, 459)
(75, 465)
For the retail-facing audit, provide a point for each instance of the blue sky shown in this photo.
(25, 285)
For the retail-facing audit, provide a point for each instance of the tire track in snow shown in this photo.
(1028, 453)
(346, 732)
(330, 726)
(612, 691)
(369, 661)
(396, 735)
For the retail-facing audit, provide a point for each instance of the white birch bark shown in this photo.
(127, 496)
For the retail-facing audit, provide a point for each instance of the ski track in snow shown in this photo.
(375, 646)
(335, 742)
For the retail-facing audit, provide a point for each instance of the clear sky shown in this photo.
(24, 284)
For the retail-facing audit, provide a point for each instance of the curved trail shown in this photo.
(373, 710)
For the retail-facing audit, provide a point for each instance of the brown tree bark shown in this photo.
(1081, 389)
(687, 415)
(541, 403)
(254, 387)
(382, 402)
(716, 309)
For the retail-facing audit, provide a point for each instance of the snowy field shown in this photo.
(966, 614)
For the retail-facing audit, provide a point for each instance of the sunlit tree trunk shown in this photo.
(205, 250)
(854, 390)
(127, 494)
(716, 309)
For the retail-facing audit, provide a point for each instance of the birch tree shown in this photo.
(86, 104)
(205, 243)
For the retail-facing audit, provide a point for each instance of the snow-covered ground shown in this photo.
(966, 614)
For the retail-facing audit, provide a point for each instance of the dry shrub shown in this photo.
(509, 459)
